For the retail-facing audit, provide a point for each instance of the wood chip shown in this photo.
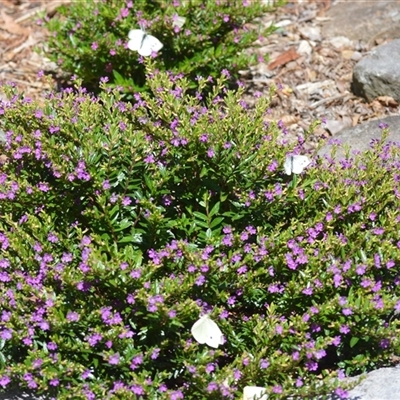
(284, 58)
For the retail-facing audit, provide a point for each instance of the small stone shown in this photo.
(311, 33)
(341, 42)
(283, 23)
(347, 54)
(356, 56)
(304, 48)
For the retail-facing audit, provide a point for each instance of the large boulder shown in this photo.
(359, 137)
(378, 74)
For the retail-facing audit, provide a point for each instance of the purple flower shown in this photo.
(126, 201)
(114, 359)
(343, 394)
(155, 353)
(72, 316)
(94, 339)
(311, 365)
(242, 270)
(136, 361)
(52, 237)
(210, 152)
(384, 343)
(236, 374)
(52, 346)
(264, 363)
(277, 389)
(137, 389)
(336, 340)
(225, 72)
(212, 387)
(308, 291)
(4, 380)
(347, 311)
(200, 280)
(6, 334)
(43, 186)
(344, 329)
(210, 368)
(177, 395)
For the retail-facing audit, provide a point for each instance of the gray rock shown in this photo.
(378, 74)
(382, 384)
(359, 137)
(364, 21)
(15, 393)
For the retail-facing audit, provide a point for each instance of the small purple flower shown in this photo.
(200, 280)
(308, 291)
(210, 368)
(378, 231)
(343, 394)
(52, 346)
(52, 237)
(4, 380)
(6, 334)
(155, 353)
(177, 395)
(277, 389)
(242, 270)
(114, 359)
(136, 361)
(43, 186)
(236, 374)
(126, 201)
(94, 339)
(212, 387)
(347, 311)
(204, 138)
(72, 316)
(344, 329)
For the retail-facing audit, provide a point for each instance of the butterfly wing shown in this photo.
(288, 165)
(254, 392)
(178, 21)
(299, 163)
(198, 330)
(205, 330)
(214, 334)
(149, 44)
(136, 37)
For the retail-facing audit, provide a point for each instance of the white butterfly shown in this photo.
(254, 392)
(295, 164)
(205, 330)
(178, 21)
(143, 43)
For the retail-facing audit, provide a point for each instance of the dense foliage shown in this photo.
(121, 223)
(89, 39)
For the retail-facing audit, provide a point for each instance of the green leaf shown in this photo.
(354, 340)
(215, 209)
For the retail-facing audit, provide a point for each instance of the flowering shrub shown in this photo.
(121, 224)
(90, 38)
